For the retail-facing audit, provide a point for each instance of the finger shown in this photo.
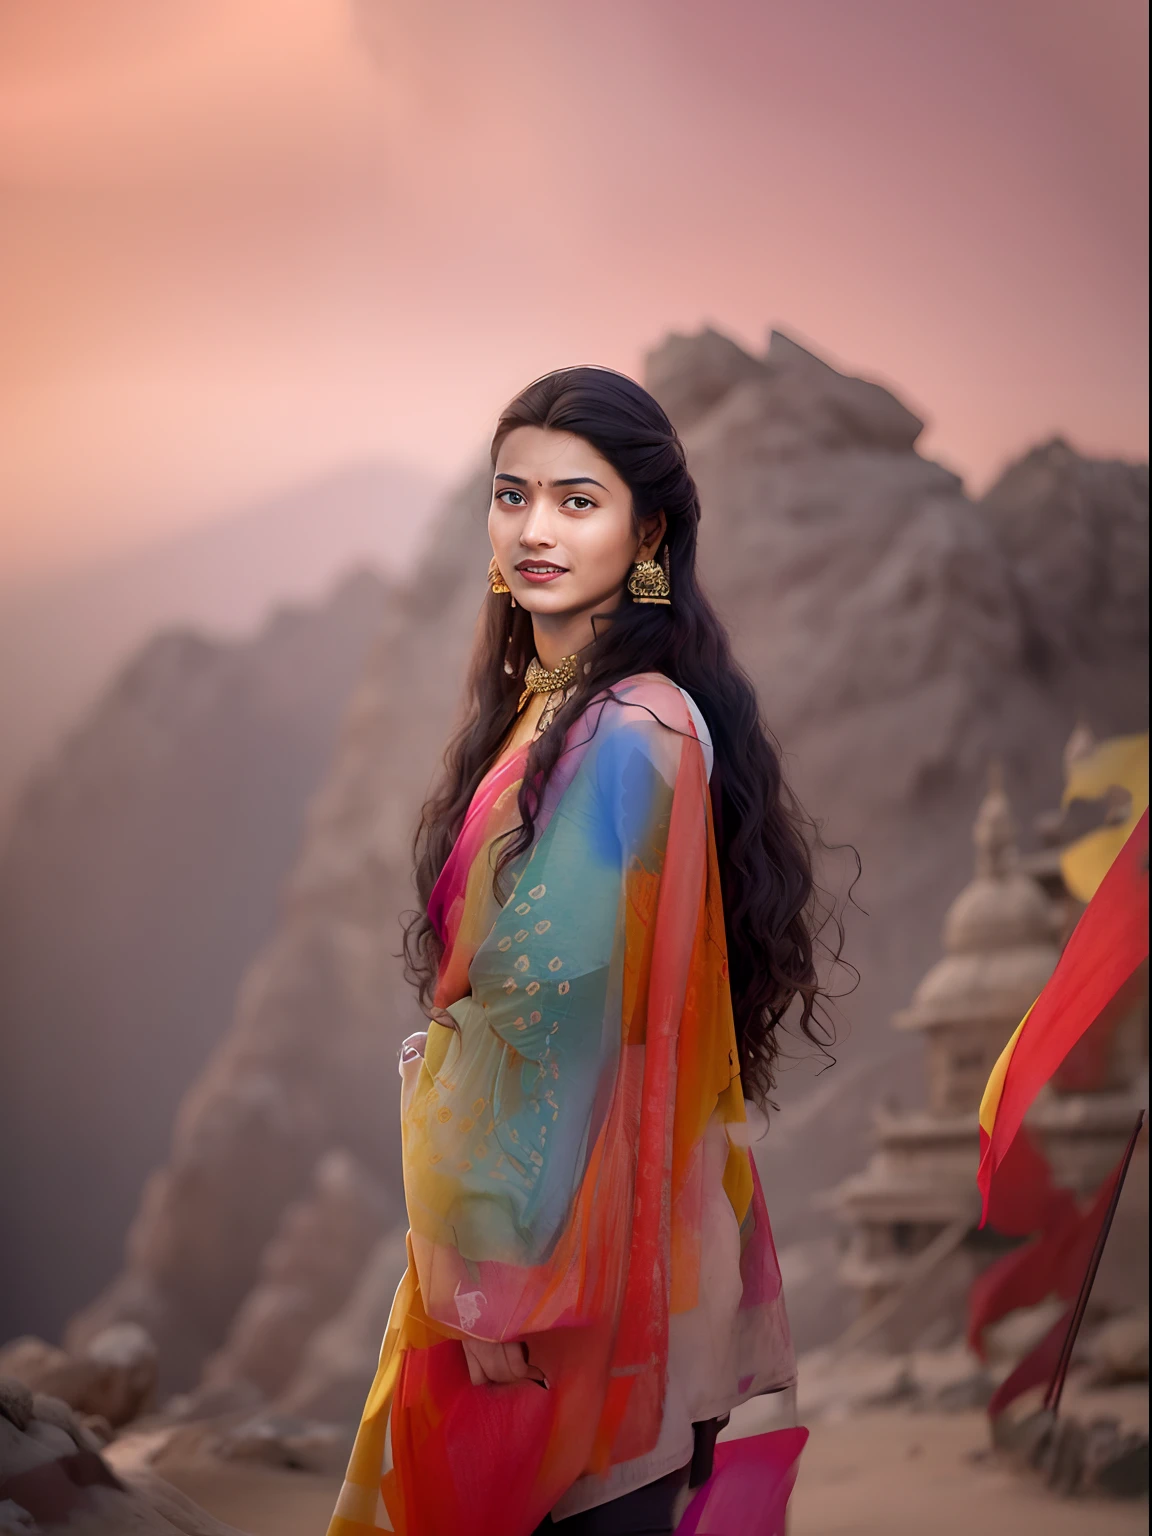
(475, 1372)
(528, 1371)
(488, 1361)
(511, 1363)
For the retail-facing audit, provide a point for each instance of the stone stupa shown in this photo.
(913, 1244)
(912, 1213)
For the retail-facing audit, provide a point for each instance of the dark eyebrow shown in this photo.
(576, 480)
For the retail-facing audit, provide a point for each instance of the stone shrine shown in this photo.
(913, 1246)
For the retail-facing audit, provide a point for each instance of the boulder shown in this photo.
(1076, 1457)
(113, 1381)
(53, 1479)
(15, 1402)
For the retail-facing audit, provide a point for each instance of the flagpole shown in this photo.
(1056, 1385)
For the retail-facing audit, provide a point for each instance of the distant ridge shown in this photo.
(61, 640)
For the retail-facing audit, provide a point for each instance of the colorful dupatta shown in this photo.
(554, 1141)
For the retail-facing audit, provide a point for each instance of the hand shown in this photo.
(500, 1365)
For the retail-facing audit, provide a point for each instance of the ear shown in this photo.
(652, 530)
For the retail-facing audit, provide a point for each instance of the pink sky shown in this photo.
(246, 241)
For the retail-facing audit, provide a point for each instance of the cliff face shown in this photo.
(891, 625)
(902, 636)
(140, 875)
(1074, 533)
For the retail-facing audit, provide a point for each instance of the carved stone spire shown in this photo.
(994, 831)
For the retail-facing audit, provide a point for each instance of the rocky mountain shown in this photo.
(140, 876)
(221, 576)
(901, 635)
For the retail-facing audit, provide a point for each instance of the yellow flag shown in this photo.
(1120, 763)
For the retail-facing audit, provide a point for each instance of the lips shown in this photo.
(539, 571)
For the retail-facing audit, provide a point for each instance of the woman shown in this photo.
(618, 909)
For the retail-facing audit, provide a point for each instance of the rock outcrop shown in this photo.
(339, 1361)
(306, 1274)
(886, 621)
(1074, 534)
(54, 1479)
(691, 374)
(113, 1381)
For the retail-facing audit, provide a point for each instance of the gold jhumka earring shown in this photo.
(650, 581)
(496, 582)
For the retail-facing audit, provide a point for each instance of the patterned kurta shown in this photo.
(576, 1157)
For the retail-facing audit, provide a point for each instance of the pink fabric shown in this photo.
(747, 1494)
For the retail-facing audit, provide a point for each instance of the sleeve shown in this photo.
(506, 1135)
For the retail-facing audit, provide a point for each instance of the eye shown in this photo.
(519, 502)
(580, 503)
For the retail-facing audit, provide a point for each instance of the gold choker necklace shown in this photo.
(538, 679)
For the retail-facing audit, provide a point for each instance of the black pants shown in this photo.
(645, 1511)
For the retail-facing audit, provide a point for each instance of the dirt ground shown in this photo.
(900, 1474)
(883, 1473)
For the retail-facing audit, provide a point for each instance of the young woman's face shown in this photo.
(561, 523)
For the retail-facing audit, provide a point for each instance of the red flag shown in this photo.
(1052, 1264)
(1107, 948)
(1064, 1036)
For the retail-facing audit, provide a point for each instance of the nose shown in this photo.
(537, 531)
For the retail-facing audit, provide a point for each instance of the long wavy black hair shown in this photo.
(773, 910)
